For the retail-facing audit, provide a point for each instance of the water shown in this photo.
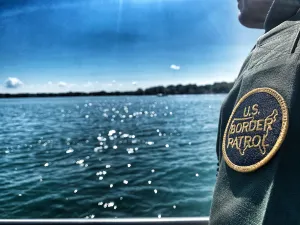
(97, 157)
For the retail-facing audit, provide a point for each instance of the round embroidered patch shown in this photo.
(256, 129)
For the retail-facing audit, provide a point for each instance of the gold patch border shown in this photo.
(282, 135)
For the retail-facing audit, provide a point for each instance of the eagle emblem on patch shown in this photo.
(255, 130)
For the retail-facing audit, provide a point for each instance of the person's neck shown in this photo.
(280, 11)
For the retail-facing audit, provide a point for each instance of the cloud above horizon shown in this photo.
(174, 67)
(13, 82)
(62, 84)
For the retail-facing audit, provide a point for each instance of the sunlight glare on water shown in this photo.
(78, 167)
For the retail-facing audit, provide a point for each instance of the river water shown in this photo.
(108, 157)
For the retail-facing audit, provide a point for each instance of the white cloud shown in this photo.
(174, 67)
(134, 83)
(62, 84)
(88, 84)
(13, 82)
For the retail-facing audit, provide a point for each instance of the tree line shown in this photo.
(216, 88)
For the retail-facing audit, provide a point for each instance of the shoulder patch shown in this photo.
(256, 129)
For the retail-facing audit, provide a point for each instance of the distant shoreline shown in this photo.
(216, 88)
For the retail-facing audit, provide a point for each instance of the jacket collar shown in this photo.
(280, 11)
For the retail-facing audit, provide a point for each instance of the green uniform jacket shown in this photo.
(258, 144)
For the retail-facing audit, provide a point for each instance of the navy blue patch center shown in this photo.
(255, 130)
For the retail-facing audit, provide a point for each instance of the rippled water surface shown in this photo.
(98, 157)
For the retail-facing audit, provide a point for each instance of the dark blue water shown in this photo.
(108, 157)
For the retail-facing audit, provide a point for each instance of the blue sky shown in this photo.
(91, 45)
